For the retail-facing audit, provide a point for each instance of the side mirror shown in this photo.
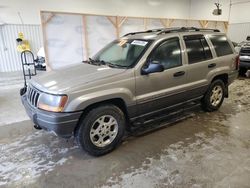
(152, 67)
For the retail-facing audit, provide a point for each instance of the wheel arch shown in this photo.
(119, 102)
(224, 78)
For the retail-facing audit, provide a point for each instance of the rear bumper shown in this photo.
(63, 124)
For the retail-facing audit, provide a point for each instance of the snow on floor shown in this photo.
(188, 163)
(33, 156)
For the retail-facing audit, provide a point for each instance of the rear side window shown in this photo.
(197, 48)
(221, 45)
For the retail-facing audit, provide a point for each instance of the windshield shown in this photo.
(122, 53)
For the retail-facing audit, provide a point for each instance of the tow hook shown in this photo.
(23, 91)
(37, 127)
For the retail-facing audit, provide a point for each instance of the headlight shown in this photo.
(53, 103)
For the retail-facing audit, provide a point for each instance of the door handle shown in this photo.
(211, 65)
(180, 73)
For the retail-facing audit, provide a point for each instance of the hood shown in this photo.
(62, 80)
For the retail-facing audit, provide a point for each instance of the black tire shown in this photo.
(242, 71)
(213, 105)
(86, 125)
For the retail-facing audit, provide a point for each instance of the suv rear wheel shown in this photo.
(101, 130)
(214, 96)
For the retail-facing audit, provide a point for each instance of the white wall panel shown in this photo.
(240, 12)
(179, 23)
(132, 25)
(239, 32)
(100, 32)
(9, 57)
(239, 21)
(65, 40)
(153, 24)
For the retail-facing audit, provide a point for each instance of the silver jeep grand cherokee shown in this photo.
(133, 80)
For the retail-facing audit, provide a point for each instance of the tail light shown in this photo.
(237, 62)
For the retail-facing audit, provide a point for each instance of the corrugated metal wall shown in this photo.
(239, 31)
(9, 57)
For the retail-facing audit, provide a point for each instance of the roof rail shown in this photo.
(147, 31)
(185, 29)
(172, 30)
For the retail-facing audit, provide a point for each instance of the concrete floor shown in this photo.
(205, 150)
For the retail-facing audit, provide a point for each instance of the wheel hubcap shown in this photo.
(216, 95)
(103, 131)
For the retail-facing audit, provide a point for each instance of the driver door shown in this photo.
(156, 91)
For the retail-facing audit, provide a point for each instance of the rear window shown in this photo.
(197, 48)
(221, 45)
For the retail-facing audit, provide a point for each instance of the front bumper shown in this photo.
(61, 123)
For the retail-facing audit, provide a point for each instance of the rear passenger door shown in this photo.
(200, 62)
(224, 51)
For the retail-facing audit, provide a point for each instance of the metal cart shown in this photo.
(29, 69)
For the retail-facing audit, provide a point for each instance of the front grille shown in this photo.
(32, 95)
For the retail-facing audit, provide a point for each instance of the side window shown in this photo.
(168, 54)
(197, 48)
(221, 45)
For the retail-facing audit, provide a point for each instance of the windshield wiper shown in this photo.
(116, 65)
(112, 64)
(93, 62)
(102, 62)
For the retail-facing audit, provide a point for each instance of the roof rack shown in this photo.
(185, 29)
(173, 30)
(147, 31)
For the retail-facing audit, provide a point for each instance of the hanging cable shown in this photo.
(21, 19)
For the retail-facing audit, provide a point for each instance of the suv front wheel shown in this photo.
(214, 96)
(101, 130)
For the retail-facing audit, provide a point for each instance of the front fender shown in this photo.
(82, 102)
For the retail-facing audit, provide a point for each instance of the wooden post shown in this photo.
(167, 22)
(206, 24)
(170, 22)
(145, 23)
(117, 23)
(114, 23)
(85, 32)
(226, 26)
(163, 22)
(117, 27)
(203, 23)
(49, 18)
